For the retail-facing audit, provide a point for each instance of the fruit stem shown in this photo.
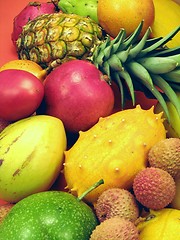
(90, 189)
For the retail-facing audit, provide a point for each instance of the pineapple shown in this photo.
(134, 63)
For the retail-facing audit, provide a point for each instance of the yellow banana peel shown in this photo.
(167, 18)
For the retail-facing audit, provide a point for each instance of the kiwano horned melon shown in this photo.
(115, 150)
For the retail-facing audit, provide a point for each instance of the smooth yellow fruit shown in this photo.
(26, 65)
(115, 150)
(31, 156)
(167, 18)
(160, 225)
(116, 14)
(173, 129)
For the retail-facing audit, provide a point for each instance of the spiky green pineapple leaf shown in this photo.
(130, 53)
(160, 43)
(167, 90)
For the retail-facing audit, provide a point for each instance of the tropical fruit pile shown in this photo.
(89, 122)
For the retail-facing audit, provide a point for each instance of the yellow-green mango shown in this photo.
(31, 156)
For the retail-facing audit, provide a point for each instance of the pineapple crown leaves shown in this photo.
(141, 65)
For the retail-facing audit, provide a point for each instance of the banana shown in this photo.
(164, 23)
(31, 156)
(158, 65)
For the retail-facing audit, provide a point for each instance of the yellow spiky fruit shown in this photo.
(163, 23)
(115, 150)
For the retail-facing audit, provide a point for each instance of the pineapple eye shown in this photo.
(40, 36)
(58, 49)
(87, 39)
(70, 34)
(54, 33)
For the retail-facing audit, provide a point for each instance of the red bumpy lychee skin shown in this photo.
(154, 188)
(116, 202)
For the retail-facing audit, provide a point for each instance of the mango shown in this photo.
(31, 156)
(115, 150)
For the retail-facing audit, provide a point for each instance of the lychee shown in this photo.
(165, 154)
(115, 228)
(116, 202)
(154, 188)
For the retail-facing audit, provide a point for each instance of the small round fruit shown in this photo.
(77, 93)
(165, 154)
(26, 65)
(116, 14)
(116, 202)
(21, 94)
(154, 188)
(115, 228)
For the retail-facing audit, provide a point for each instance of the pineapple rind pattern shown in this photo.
(57, 38)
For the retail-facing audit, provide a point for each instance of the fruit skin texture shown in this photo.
(166, 155)
(116, 14)
(73, 37)
(77, 93)
(115, 228)
(31, 11)
(26, 65)
(83, 8)
(31, 153)
(162, 224)
(176, 200)
(154, 188)
(161, 25)
(173, 129)
(49, 215)
(21, 94)
(115, 150)
(4, 209)
(116, 202)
